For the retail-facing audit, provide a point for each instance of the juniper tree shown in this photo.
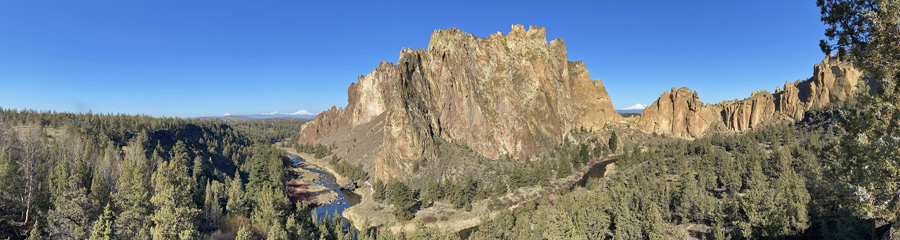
(867, 33)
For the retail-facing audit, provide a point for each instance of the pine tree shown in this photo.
(791, 198)
(687, 197)
(755, 207)
(236, 200)
(99, 194)
(36, 232)
(69, 217)
(133, 199)
(269, 206)
(212, 211)
(277, 232)
(103, 227)
(378, 190)
(402, 198)
(244, 234)
(11, 190)
(613, 142)
(653, 224)
(175, 209)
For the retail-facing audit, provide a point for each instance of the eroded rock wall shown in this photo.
(512, 94)
(680, 113)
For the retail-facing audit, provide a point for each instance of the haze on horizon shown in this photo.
(168, 58)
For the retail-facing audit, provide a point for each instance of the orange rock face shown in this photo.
(681, 114)
(512, 94)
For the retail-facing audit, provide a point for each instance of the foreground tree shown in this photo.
(133, 198)
(11, 191)
(212, 210)
(236, 199)
(867, 32)
(172, 199)
(69, 217)
(103, 227)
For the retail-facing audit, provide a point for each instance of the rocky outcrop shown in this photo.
(512, 94)
(680, 113)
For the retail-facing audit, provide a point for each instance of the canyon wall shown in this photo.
(680, 112)
(513, 94)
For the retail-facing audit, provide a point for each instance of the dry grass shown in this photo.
(301, 186)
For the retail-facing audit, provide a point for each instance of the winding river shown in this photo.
(346, 198)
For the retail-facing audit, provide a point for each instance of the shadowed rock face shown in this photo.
(504, 94)
(681, 114)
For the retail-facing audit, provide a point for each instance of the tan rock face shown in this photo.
(511, 94)
(678, 113)
(681, 114)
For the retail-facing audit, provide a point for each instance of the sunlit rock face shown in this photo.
(512, 94)
(680, 112)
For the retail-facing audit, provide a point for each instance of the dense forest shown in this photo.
(766, 183)
(80, 176)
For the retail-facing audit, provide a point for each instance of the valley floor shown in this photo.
(446, 218)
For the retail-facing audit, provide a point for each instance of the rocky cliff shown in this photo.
(512, 94)
(681, 113)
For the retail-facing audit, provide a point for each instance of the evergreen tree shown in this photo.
(199, 168)
(69, 217)
(175, 209)
(653, 224)
(99, 194)
(269, 206)
(613, 142)
(865, 163)
(756, 209)
(244, 234)
(564, 169)
(293, 228)
(36, 232)
(133, 199)
(378, 190)
(103, 227)
(627, 225)
(212, 211)
(277, 232)
(11, 190)
(687, 197)
(236, 200)
(791, 199)
(402, 198)
(432, 192)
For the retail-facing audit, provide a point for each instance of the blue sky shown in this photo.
(207, 58)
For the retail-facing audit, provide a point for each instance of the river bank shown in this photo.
(342, 199)
(446, 218)
(301, 186)
(367, 213)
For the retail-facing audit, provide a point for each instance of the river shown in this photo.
(595, 173)
(346, 198)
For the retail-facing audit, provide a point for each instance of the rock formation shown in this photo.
(680, 112)
(509, 94)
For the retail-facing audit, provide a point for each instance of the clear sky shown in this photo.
(207, 58)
